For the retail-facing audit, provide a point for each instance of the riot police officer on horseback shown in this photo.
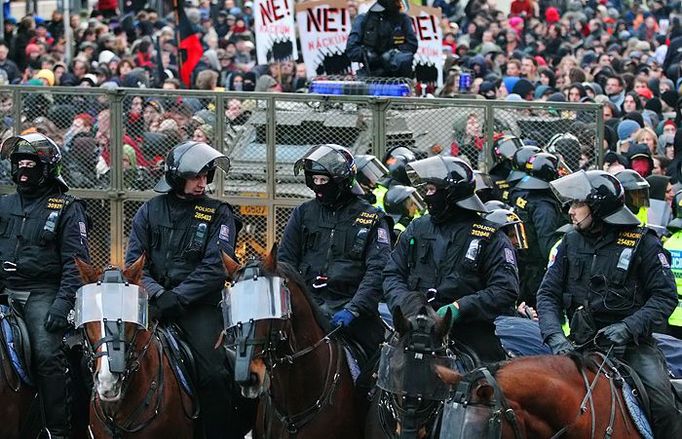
(453, 258)
(613, 280)
(183, 232)
(42, 230)
(339, 243)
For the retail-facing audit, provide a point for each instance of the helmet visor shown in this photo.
(38, 145)
(193, 160)
(637, 198)
(573, 187)
(431, 170)
(331, 160)
(517, 234)
(371, 172)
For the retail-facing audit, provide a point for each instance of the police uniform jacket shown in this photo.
(348, 245)
(623, 274)
(468, 261)
(182, 239)
(41, 237)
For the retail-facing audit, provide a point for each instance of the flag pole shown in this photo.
(176, 7)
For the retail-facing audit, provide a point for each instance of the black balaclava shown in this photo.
(329, 194)
(36, 176)
(439, 209)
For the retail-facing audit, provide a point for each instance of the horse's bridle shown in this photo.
(411, 412)
(500, 409)
(133, 360)
(272, 358)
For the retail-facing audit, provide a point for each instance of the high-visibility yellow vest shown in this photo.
(674, 246)
(380, 192)
(643, 215)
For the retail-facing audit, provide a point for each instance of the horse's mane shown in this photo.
(287, 271)
(584, 360)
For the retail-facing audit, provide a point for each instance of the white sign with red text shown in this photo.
(274, 30)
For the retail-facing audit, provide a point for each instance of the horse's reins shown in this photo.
(155, 388)
(589, 397)
(293, 423)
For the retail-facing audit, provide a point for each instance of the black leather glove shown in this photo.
(153, 312)
(559, 344)
(616, 334)
(169, 305)
(56, 318)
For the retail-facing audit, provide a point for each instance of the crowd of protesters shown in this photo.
(623, 53)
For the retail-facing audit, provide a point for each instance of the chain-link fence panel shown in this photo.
(253, 240)
(244, 142)
(282, 215)
(155, 122)
(568, 133)
(456, 130)
(80, 124)
(99, 239)
(6, 130)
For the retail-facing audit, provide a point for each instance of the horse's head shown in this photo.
(110, 309)
(412, 391)
(256, 310)
(475, 411)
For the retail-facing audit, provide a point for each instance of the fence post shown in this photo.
(117, 188)
(271, 154)
(600, 137)
(17, 106)
(220, 140)
(379, 107)
(489, 135)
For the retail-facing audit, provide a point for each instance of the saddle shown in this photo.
(179, 356)
(15, 347)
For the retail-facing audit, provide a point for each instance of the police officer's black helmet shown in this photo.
(396, 159)
(496, 204)
(485, 188)
(563, 143)
(676, 224)
(370, 170)
(636, 189)
(519, 160)
(601, 191)
(542, 168)
(451, 174)
(331, 160)
(504, 148)
(394, 200)
(510, 223)
(188, 160)
(39, 148)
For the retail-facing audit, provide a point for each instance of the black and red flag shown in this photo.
(190, 49)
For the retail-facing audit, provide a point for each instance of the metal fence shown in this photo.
(114, 143)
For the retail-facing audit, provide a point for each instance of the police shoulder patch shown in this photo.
(521, 202)
(664, 260)
(83, 229)
(509, 256)
(382, 236)
(224, 232)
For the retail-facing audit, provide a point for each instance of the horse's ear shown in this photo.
(402, 325)
(231, 266)
(448, 376)
(133, 273)
(87, 272)
(270, 261)
(444, 324)
(485, 392)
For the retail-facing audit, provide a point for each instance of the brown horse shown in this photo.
(539, 397)
(297, 370)
(15, 397)
(145, 400)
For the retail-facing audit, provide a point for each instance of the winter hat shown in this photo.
(626, 129)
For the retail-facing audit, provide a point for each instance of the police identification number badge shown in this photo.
(382, 236)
